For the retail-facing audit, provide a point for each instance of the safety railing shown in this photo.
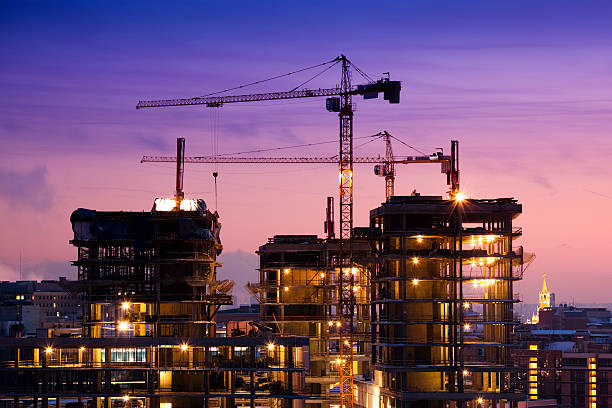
(220, 364)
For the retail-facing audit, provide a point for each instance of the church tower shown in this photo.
(544, 295)
(545, 299)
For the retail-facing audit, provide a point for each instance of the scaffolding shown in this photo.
(442, 301)
(154, 271)
(298, 291)
(150, 295)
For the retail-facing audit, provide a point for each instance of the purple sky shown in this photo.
(526, 87)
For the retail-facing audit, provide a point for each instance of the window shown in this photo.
(126, 355)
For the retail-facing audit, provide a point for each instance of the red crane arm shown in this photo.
(291, 160)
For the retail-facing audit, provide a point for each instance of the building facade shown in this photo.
(29, 306)
(150, 295)
(442, 302)
(298, 294)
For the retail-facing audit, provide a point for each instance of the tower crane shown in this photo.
(384, 167)
(340, 100)
(387, 170)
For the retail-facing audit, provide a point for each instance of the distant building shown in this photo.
(567, 356)
(567, 317)
(237, 321)
(545, 300)
(26, 306)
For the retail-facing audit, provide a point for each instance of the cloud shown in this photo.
(27, 188)
(7, 272)
(47, 269)
(241, 267)
(543, 182)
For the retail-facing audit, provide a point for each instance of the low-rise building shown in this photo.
(28, 306)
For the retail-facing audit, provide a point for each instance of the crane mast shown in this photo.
(389, 168)
(180, 170)
(346, 279)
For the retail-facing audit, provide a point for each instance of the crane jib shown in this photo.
(390, 89)
(294, 160)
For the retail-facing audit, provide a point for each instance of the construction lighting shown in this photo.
(466, 372)
(125, 305)
(354, 270)
(419, 239)
(330, 323)
(286, 271)
(346, 176)
(466, 305)
(126, 398)
(270, 346)
(184, 347)
(338, 324)
(415, 282)
(355, 288)
(480, 401)
(415, 260)
(346, 342)
(286, 288)
(82, 349)
(483, 283)
(322, 275)
(460, 197)
(169, 204)
(165, 204)
(123, 326)
(467, 326)
(49, 350)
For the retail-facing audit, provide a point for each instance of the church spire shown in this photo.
(544, 288)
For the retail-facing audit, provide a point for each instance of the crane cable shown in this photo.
(320, 73)
(406, 144)
(363, 74)
(214, 141)
(287, 147)
(270, 79)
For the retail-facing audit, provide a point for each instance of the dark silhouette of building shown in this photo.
(150, 295)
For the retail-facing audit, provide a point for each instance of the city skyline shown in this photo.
(524, 87)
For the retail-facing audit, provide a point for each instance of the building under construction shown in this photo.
(298, 292)
(442, 302)
(150, 290)
(434, 294)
